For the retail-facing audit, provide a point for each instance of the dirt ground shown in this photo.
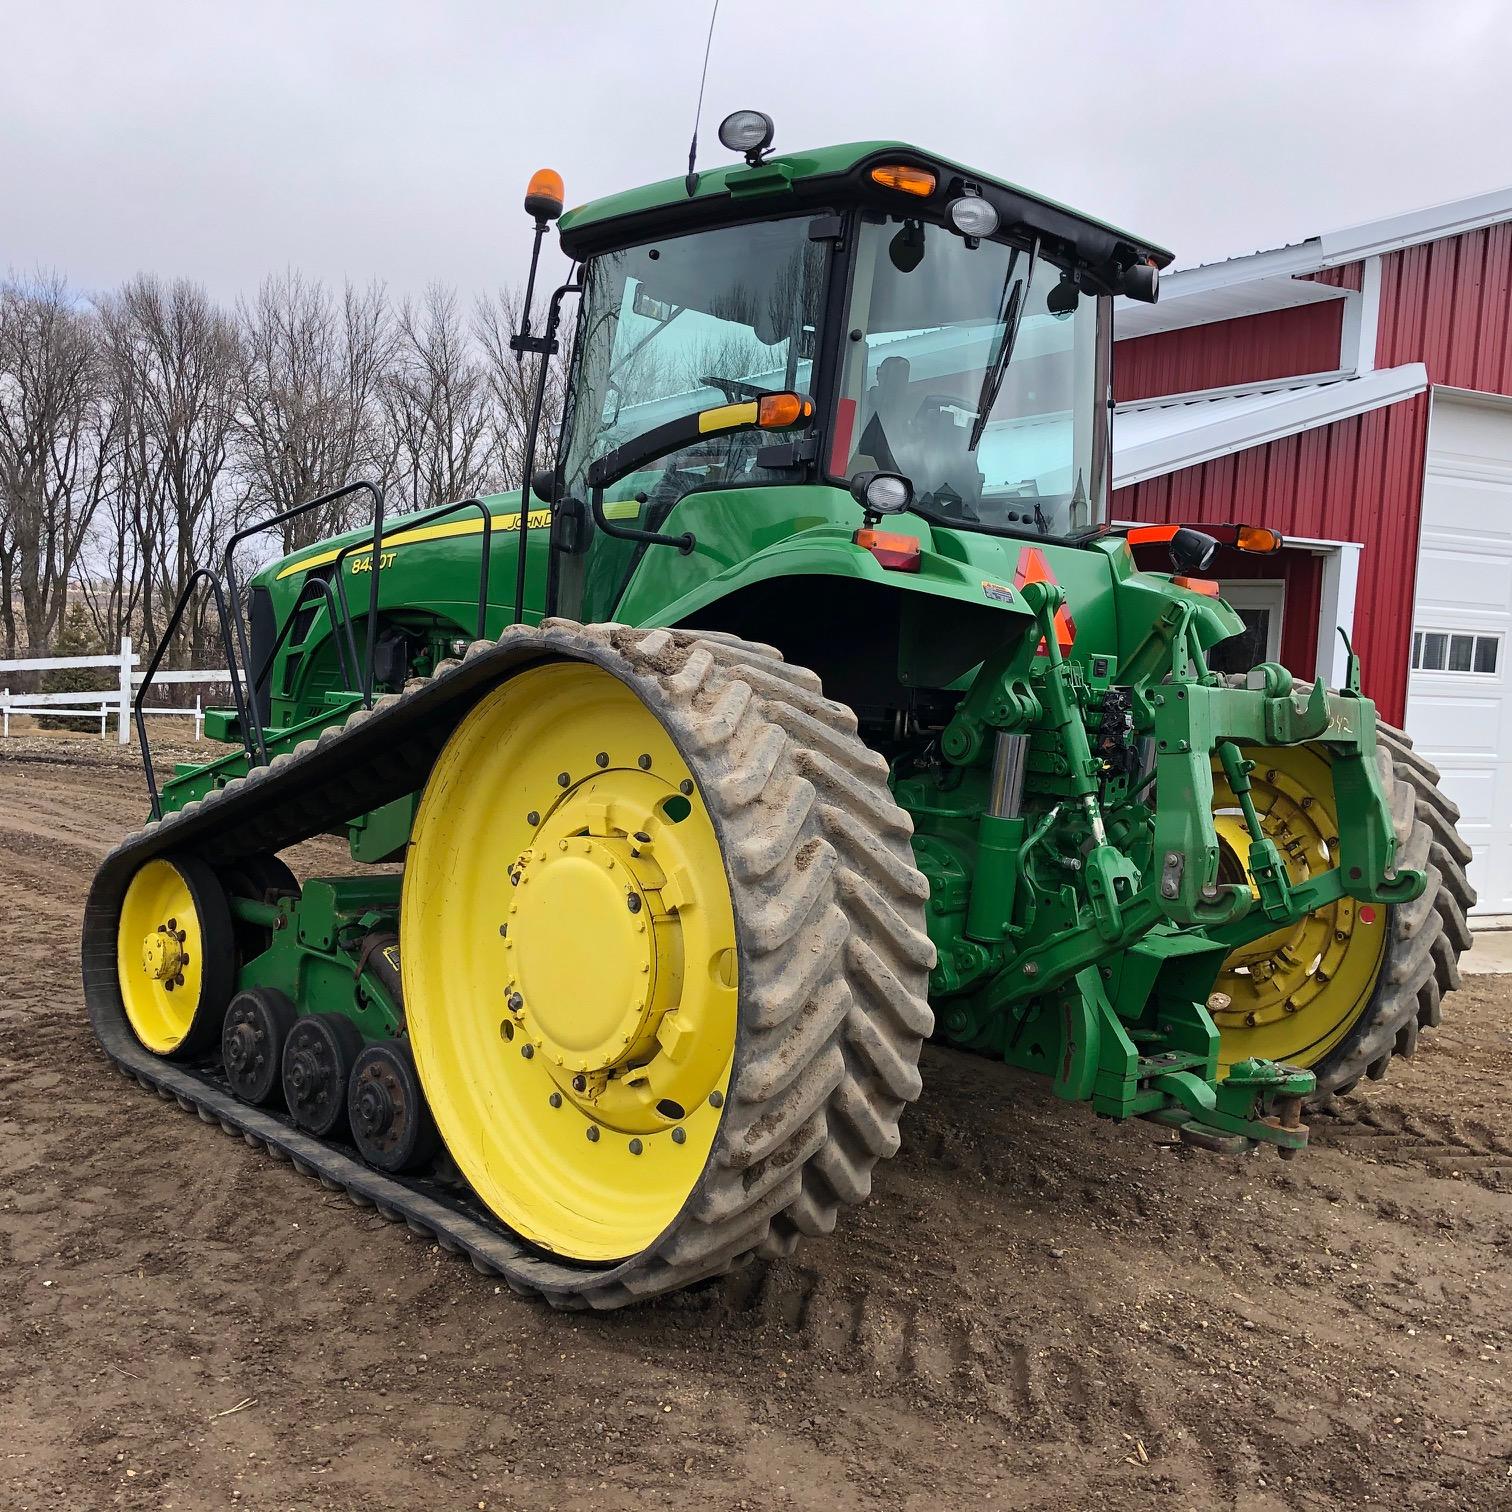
(1035, 1309)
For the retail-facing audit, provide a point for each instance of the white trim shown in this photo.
(1226, 300)
(1370, 317)
(1233, 390)
(1336, 608)
(1233, 427)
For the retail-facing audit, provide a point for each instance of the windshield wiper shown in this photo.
(1010, 311)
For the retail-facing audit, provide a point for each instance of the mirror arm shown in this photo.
(684, 542)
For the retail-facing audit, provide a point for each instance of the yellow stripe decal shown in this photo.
(723, 416)
(540, 519)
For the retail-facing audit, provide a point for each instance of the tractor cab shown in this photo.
(944, 328)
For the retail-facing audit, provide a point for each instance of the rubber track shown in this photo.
(1426, 936)
(829, 908)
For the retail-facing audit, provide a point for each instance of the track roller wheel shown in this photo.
(252, 1043)
(318, 1058)
(664, 955)
(175, 956)
(391, 1125)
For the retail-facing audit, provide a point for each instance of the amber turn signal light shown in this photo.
(779, 411)
(916, 181)
(895, 552)
(1260, 539)
(544, 195)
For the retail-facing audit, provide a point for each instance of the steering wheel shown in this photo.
(734, 388)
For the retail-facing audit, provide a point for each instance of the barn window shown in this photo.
(1452, 651)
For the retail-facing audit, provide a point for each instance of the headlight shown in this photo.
(971, 215)
(882, 493)
(747, 131)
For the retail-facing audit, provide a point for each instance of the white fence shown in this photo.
(115, 701)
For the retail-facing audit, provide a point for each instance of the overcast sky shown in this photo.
(393, 141)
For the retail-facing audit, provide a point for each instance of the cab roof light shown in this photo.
(919, 182)
(893, 551)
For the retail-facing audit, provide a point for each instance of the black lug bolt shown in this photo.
(528, 1051)
(555, 1099)
(503, 930)
(593, 1134)
(679, 1136)
(636, 1147)
(516, 1002)
(563, 779)
(580, 1083)
(532, 818)
(602, 759)
(716, 1099)
(633, 903)
(685, 787)
(643, 762)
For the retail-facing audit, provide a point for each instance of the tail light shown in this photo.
(897, 553)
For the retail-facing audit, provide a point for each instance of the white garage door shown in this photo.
(1458, 709)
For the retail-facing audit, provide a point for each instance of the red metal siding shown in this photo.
(1345, 276)
(1251, 349)
(1358, 480)
(1445, 303)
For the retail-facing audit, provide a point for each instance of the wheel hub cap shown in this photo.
(586, 938)
(162, 955)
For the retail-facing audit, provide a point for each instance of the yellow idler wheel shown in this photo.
(663, 954)
(175, 956)
(1343, 989)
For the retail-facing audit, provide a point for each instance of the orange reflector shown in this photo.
(1204, 586)
(906, 180)
(1142, 535)
(778, 411)
(897, 553)
(1258, 538)
(544, 194)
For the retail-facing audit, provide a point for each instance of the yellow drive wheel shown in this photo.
(634, 1010)
(1295, 993)
(175, 957)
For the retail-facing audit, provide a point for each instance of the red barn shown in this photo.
(1355, 392)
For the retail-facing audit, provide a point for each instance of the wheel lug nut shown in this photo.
(593, 1134)
(555, 1099)
(516, 1002)
(532, 818)
(579, 1083)
(602, 759)
(563, 779)
(716, 1099)
(643, 762)
(528, 1051)
(636, 1147)
(679, 1136)
(633, 903)
(685, 787)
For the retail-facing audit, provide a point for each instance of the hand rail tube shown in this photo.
(293, 512)
(139, 702)
(348, 669)
(399, 527)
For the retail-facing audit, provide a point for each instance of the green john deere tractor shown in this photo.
(808, 707)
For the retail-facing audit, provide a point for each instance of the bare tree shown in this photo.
(55, 435)
(435, 401)
(511, 388)
(307, 419)
(174, 359)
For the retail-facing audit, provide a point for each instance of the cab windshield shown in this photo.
(682, 325)
(978, 372)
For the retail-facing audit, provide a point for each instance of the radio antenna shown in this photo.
(691, 182)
